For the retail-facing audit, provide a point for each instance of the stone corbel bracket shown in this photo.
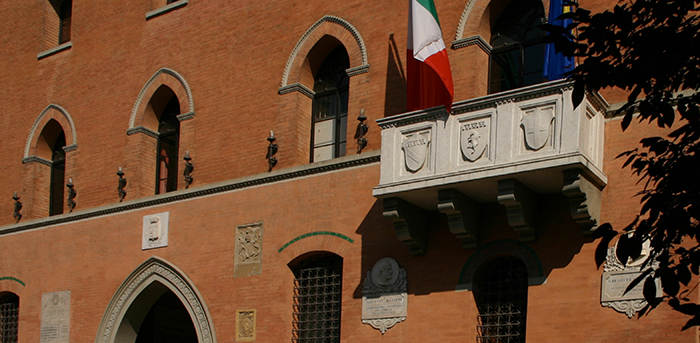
(409, 224)
(462, 216)
(521, 207)
(584, 199)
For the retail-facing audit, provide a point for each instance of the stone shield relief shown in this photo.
(474, 138)
(416, 149)
(537, 125)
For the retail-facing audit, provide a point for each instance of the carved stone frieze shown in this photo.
(462, 216)
(409, 224)
(584, 199)
(521, 208)
(248, 259)
(384, 295)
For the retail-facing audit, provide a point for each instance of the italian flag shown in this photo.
(428, 70)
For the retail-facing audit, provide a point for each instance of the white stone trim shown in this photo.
(35, 127)
(165, 9)
(147, 86)
(54, 50)
(156, 269)
(332, 19)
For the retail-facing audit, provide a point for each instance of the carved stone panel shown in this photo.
(416, 149)
(617, 277)
(245, 325)
(384, 296)
(155, 231)
(475, 135)
(537, 123)
(55, 317)
(248, 259)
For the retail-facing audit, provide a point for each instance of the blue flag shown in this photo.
(556, 64)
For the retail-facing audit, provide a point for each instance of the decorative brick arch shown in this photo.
(158, 270)
(163, 77)
(498, 248)
(315, 242)
(58, 114)
(332, 26)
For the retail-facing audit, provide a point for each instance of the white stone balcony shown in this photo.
(507, 147)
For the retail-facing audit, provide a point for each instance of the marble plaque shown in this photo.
(616, 278)
(384, 295)
(248, 252)
(615, 283)
(155, 231)
(245, 325)
(55, 317)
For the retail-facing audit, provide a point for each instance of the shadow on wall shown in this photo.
(441, 268)
(395, 90)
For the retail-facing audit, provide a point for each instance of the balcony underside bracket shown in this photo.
(584, 199)
(521, 207)
(462, 216)
(409, 224)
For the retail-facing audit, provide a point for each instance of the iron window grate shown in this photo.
(9, 313)
(317, 295)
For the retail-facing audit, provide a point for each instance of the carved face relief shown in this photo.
(536, 125)
(385, 272)
(474, 138)
(415, 146)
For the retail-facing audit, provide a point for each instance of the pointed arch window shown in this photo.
(518, 54)
(58, 175)
(500, 292)
(9, 317)
(330, 107)
(168, 146)
(317, 298)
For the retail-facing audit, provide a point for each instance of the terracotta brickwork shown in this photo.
(231, 57)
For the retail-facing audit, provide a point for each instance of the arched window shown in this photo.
(52, 140)
(330, 107)
(166, 106)
(500, 292)
(9, 315)
(517, 58)
(317, 298)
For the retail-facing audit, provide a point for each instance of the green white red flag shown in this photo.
(428, 72)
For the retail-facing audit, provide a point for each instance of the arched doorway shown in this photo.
(156, 303)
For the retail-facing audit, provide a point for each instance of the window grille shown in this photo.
(501, 296)
(317, 295)
(9, 314)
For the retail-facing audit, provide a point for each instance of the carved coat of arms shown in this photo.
(415, 147)
(474, 138)
(536, 124)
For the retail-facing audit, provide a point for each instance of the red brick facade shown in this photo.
(231, 57)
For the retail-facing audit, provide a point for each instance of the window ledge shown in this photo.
(166, 9)
(54, 50)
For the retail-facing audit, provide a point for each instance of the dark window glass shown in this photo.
(58, 172)
(501, 298)
(330, 107)
(65, 14)
(9, 315)
(517, 58)
(168, 147)
(317, 295)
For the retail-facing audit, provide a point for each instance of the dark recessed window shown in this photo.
(317, 299)
(330, 107)
(9, 315)
(500, 292)
(517, 58)
(64, 12)
(168, 147)
(58, 175)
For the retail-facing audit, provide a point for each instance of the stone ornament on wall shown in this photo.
(384, 296)
(55, 317)
(416, 149)
(616, 278)
(536, 124)
(474, 138)
(245, 325)
(248, 259)
(155, 231)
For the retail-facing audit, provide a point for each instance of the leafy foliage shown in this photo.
(651, 49)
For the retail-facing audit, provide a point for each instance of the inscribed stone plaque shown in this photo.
(248, 259)
(155, 231)
(384, 296)
(245, 325)
(616, 278)
(55, 317)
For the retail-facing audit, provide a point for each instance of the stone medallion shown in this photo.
(384, 296)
